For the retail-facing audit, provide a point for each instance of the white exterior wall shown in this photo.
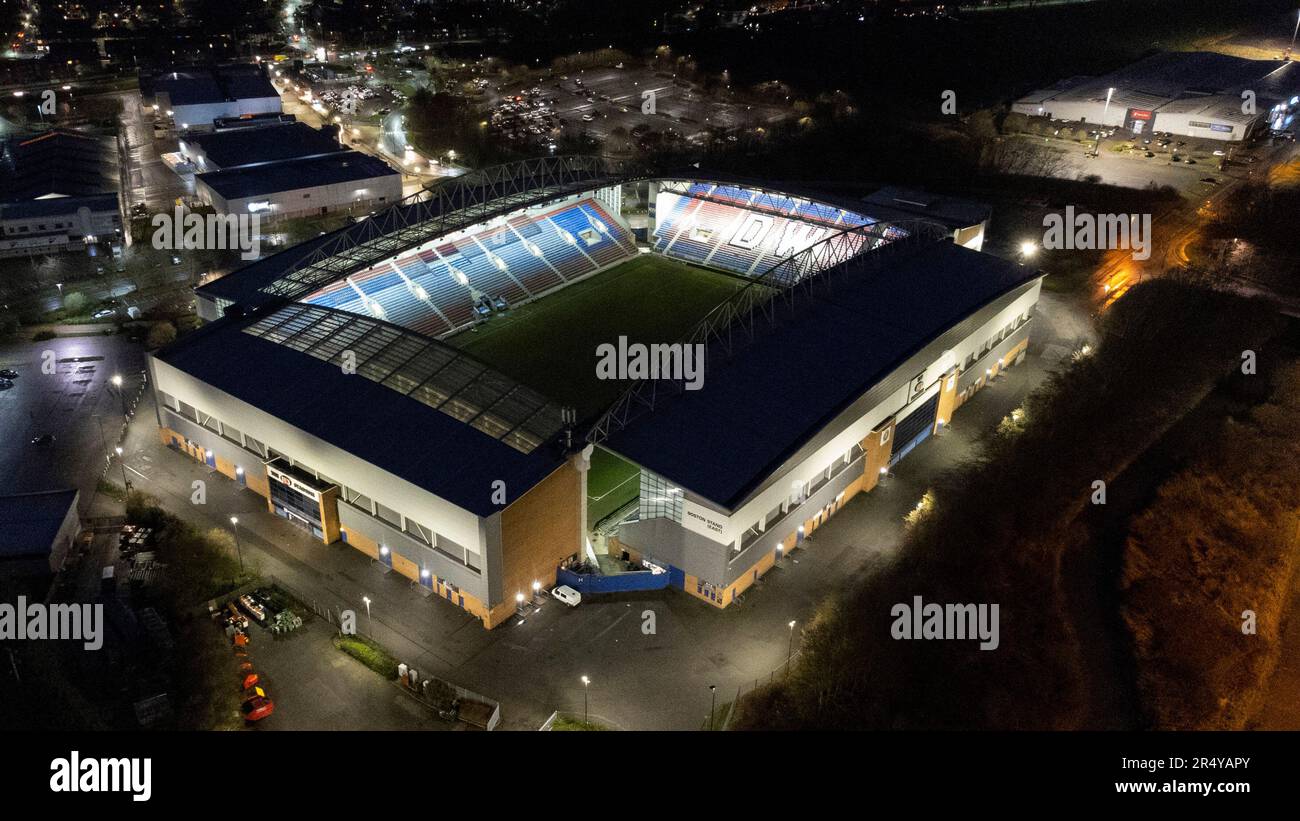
(446, 519)
(302, 201)
(199, 117)
(750, 513)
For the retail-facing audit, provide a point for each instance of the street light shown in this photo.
(586, 683)
(117, 383)
(1028, 249)
(122, 464)
(234, 523)
(789, 654)
(369, 620)
(1097, 148)
(713, 688)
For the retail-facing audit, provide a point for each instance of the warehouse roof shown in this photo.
(258, 146)
(59, 206)
(758, 408)
(203, 85)
(29, 522)
(257, 181)
(1157, 81)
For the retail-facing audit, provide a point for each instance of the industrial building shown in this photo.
(271, 143)
(58, 192)
(320, 184)
(192, 98)
(37, 532)
(1190, 94)
(334, 380)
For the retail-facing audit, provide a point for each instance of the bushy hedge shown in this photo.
(368, 653)
(1219, 540)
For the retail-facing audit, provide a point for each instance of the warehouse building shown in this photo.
(37, 535)
(193, 97)
(246, 148)
(324, 383)
(1190, 94)
(334, 181)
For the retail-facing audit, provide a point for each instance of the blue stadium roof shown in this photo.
(758, 408)
(395, 432)
(256, 181)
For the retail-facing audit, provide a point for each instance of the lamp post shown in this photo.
(789, 653)
(234, 523)
(117, 383)
(713, 689)
(122, 464)
(537, 591)
(369, 620)
(586, 683)
(1097, 148)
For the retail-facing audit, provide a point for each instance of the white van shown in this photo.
(567, 595)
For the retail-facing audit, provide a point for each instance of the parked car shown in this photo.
(9, 373)
(43, 439)
(6, 384)
(567, 595)
(257, 707)
(103, 313)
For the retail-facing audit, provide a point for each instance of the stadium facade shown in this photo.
(333, 379)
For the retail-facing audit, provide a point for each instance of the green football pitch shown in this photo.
(551, 344)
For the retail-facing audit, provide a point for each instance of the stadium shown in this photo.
(422, 385)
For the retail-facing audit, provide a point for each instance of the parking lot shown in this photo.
(598, 101)
(1186, 164)
(77, 406)
(316, 687)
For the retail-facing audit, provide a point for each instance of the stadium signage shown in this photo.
(285, 479)
(703, 521)
(681, 361)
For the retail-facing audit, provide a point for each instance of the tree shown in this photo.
(74, 303)
(160, 334)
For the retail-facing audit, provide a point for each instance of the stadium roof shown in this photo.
(243, 148)
(892, 203)
(29, 522)
(460, 201)
(433, 445)
(758, 408)
(256, 181)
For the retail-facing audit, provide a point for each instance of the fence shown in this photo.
(728, 712)
(618, 583)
